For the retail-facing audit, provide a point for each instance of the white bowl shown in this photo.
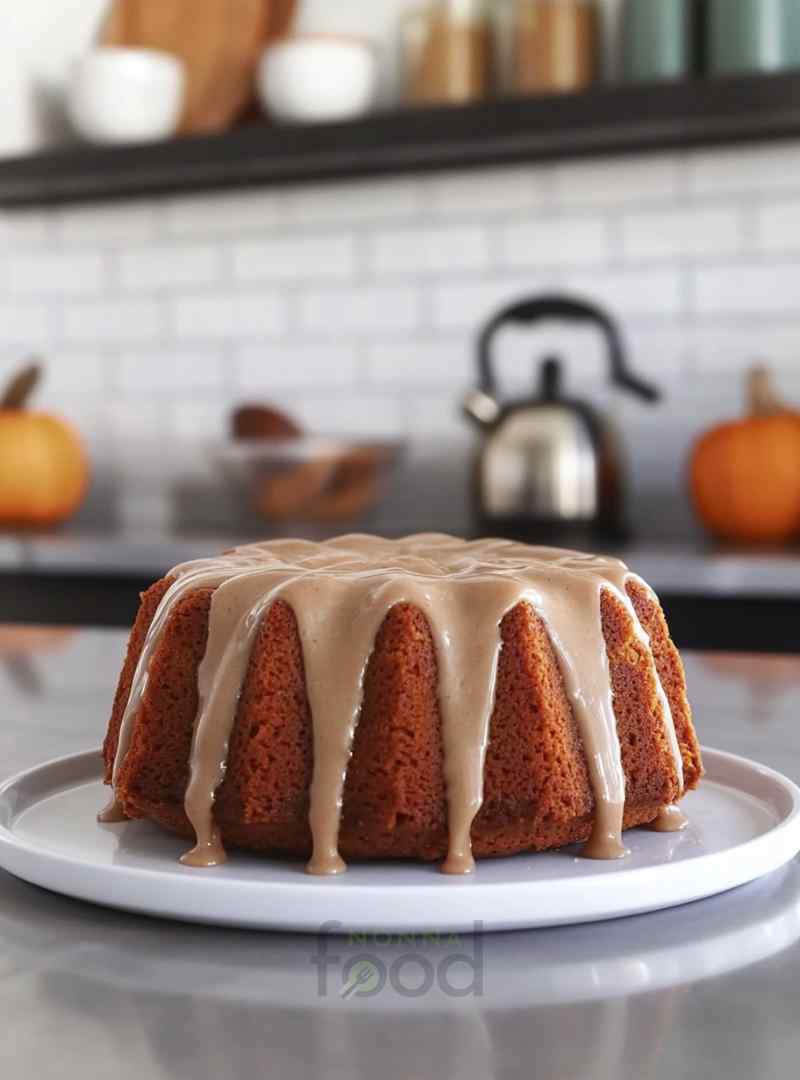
(121, 95)
(315, 77)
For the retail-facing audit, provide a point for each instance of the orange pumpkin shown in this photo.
(43, 466)
(745, 475)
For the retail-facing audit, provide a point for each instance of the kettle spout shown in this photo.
(481, 408)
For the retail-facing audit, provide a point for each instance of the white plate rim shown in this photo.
(230, 902)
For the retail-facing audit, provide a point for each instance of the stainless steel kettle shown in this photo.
(548, 464)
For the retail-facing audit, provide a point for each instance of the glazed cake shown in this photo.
(423, 698)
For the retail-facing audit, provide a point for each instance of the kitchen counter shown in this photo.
(707, 990)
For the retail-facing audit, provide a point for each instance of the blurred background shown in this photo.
(277, 268)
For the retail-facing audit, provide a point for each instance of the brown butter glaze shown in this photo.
(112, 813)
(669, 819)
(340, 592)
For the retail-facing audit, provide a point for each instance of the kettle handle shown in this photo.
(562, 307)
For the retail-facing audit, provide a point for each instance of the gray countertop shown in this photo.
(686, 567)
(707, 990)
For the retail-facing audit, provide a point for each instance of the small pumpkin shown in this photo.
(745, 474)
(44, 471)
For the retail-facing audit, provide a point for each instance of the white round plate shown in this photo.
(744, 822)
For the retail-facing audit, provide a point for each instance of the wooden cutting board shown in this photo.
(219, 41)
(281, 17)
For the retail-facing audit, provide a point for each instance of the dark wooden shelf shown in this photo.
(610, 120)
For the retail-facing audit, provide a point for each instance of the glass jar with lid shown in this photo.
(554, 46)
(447, 52)
(657, 39)
(753, 35)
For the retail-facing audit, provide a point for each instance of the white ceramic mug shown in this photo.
(318, 77)
(119, 95)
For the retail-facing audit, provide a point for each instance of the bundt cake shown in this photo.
(424, 698)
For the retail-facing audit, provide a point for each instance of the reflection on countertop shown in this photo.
(695, 942)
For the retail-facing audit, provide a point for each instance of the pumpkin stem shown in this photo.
(761, 396)
(22, 385)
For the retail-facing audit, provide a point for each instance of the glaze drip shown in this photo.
(112, 813)
(669, 819)
(340, 592)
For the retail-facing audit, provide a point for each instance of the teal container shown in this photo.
(791, 32)
(656, 39)
(753, 35)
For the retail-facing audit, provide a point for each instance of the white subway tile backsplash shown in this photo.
(691, 407)
(169, 371)
(112, 224)
(686, 231)
(234, 213)
(194, 421)
(617, 181)
(353, 202)
(295, 258)
(143, 450)
(20, 229)
(260, 368)
(423, 362)
(778, 347)
(136, 427)
(729, 347)
(26, 325)
(440, 417)
(468, 304)
(485, 191)
(649, 293)
(555, 241)
(67, 373)
(751, 169)
(112, 321)
(630, 293)
(428, 250)
(47, 273)
(372, 308)
(778, 226)
(747, 288)
(355, 306)
(660, 353)
(232, 316)
(155, 267)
